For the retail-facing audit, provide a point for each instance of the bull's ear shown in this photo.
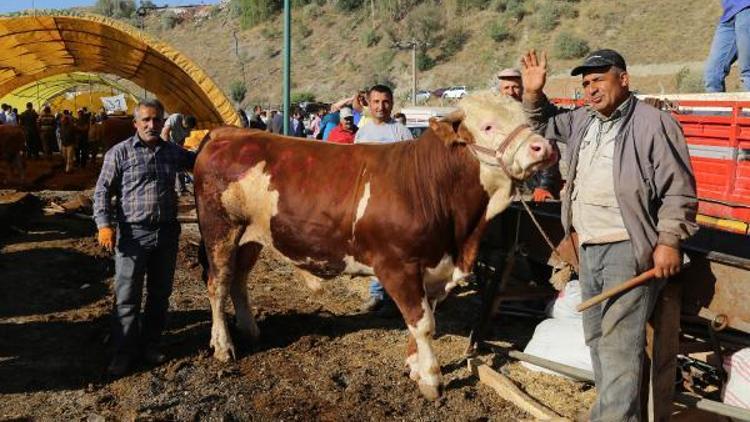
(464, 135)
(446, 131)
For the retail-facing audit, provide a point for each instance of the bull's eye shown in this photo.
(488, 128)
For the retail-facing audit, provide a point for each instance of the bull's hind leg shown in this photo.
(247, 255)
(407, 291)
(222, 254)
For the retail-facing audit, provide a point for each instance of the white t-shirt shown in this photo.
(390, 131)
(11, 118)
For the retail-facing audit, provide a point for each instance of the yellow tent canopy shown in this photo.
(35, 47)
(48, 90)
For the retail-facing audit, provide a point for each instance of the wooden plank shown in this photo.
(662, 346)
(567, 370)
(737, 413)
(508, 390)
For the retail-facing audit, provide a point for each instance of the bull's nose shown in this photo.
(539, 150)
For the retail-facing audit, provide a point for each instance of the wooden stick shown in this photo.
(508, 390)
(633, 282)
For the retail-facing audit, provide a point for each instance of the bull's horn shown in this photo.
(454, 116)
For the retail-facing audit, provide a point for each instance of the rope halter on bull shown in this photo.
(498, 156)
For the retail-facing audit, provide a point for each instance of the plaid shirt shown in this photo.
(143, 180)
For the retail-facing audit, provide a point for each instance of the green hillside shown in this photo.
(340, 46)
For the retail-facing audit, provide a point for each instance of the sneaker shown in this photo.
(119, 365)
(154, 356)
(372, 304)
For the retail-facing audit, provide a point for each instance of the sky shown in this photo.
(18, 5)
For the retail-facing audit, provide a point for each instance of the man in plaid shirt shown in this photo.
(140, 173)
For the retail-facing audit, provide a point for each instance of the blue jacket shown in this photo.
(329, 121)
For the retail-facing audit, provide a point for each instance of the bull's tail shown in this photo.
(203, 260)
(206, 139)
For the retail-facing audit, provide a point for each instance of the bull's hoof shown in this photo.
(250, 331)
(223, 355)
(223, 352)
(430, 392)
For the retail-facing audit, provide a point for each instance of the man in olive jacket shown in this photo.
(630, 196)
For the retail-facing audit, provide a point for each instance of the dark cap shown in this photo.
(598, 59)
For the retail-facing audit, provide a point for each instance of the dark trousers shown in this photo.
(82, 152)
(182, 181)
(615, 330)
(33, 143)
(143, 253)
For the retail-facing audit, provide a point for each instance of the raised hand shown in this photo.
(533, 72)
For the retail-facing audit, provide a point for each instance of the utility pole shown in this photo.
(412, 45)
(287, 63)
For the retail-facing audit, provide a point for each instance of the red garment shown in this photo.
(339, 135)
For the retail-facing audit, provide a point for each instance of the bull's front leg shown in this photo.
(412, 301)
(422, 329)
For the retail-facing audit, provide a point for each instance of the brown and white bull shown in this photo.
(110, 132)
(12, 144)
(411, 213)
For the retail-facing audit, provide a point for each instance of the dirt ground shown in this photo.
(318, 359)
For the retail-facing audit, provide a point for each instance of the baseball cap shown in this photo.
(509, 73)
(345, 112)
(600, 58)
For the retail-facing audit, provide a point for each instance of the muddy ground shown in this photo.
(318, 359)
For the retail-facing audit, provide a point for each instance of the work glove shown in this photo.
(541, 195)
(106, 238)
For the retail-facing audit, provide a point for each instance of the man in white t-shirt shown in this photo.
(381, 128)
(176, 129)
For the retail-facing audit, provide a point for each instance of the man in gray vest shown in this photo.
(631, 198)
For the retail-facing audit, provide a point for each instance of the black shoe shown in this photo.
(154, 356)
(388, 309)
(119, 365)
(372, 304)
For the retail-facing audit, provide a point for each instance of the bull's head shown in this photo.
(494, 129)
(499, 133)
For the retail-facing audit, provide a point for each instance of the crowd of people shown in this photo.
(49, 133)
(339, 122)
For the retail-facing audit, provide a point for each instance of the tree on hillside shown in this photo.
(253, 12)
(237, 90)
(115, 8)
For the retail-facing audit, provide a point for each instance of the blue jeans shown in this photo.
(183, 178)
(148, 252)
(615, 330)
(377, 290)
(731, 43)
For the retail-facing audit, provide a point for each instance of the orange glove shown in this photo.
(541, 195)
(107, 238)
